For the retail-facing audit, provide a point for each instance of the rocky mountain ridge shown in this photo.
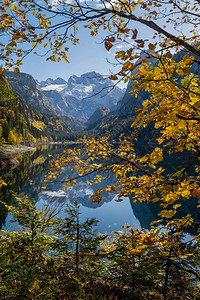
(81, 96)
(26, 87)
(119, 121)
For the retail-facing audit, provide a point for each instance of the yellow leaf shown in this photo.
(167, 213)
(155, 222)
(12, 8)
(128, 66)
(36, 285)
(182, 124)
(160, 140)
(176, 206)
(65, 58)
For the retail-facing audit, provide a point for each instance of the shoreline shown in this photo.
(13, 149)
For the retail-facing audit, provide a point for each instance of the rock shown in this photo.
(7, 161)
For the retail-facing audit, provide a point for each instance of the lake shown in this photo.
(112, 215)
(34, 165)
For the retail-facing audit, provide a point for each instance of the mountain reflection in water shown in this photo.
(111, 214)
(34, 165)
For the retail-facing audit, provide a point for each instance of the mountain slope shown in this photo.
(21, 123)
(99, 113)
(73, 122)
(26, 87)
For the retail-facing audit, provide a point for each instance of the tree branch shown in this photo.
(190, 118)
(191, 271)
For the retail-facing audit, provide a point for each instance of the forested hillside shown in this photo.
(21, 123)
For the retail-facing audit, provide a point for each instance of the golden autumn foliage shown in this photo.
(1, 130)
(2, 182)
(38, 124)
(166, 67)
(12, 138)
(21, 123)
(53, 25)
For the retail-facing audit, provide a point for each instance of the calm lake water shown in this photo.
(111, 214)
(34, 165)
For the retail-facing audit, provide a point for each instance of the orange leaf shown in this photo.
(16, 70)
(140, 43)
(108, 45)
(138, 110)
(135, 32)
(113, 77)
(152, 46)
(111, 39)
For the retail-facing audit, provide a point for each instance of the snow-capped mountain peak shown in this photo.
(54, 87)
(80, 96)
(53, 84)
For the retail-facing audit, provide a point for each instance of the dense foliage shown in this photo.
(53, 258)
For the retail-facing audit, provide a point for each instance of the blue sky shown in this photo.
(89, 55)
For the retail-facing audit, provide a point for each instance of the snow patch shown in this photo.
(79, 91)
(54, 87)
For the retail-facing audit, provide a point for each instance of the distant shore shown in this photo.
(13, 149)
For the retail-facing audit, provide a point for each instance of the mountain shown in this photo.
(126, 106)
(99, 113)
(50, 81)
(26, 87)
(81, 96)
(20, 122)
(74, 123)
(119, 121)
